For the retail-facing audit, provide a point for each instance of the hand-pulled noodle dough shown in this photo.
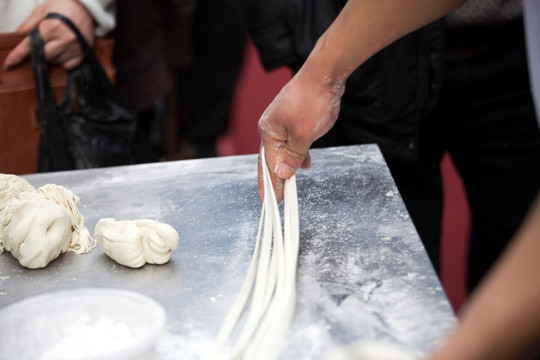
(135, 243)
(270, 281)
(10, 187)
(36, 226)
(80, 242)
(36, 232)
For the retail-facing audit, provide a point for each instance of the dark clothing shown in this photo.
(485, 120)
(391, 92)
(417, 103)
(488, 118)
(152, 40)
(388, 96)
(284, 31)
(207, 84)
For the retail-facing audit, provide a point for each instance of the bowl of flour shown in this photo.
(83, 324)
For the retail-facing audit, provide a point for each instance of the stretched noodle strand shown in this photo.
(270, 281)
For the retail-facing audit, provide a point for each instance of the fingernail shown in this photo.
(283, 171)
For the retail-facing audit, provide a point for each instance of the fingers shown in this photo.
(285, 160)
(277, 183)
(18, 54)
(64, 51)
(61, 45)
(307, 162)
(290, 157)
(22, 50)
(72, 62)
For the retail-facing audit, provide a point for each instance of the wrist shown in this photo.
(325, 65)
(322, 73)
(103, 14)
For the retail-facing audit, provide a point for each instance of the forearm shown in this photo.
(366, 26)
(503, 318)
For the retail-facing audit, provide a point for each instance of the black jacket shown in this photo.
(385, 99)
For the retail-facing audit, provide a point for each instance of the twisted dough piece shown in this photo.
(135, 243)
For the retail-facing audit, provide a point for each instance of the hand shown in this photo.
(304, 110)
(61, 46)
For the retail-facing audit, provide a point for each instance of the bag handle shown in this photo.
(39, 64)
(41, 73)
(89, 56)
(51, 124)
(85, 47)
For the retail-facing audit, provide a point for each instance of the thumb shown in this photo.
(289, 159)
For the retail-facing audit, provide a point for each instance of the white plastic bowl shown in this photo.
(89, 324)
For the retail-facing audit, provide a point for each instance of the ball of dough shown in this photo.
(135, 243)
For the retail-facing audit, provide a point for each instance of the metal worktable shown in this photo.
(362, 272)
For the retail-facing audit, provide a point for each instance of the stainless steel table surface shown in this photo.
(362, 270)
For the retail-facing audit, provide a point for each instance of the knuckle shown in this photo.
(295, 154)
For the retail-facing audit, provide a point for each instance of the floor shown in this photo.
(256, 89)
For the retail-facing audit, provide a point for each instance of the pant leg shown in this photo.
(207, 84)
(495, 144)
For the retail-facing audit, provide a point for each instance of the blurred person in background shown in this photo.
(208, 83)
(177, 65)
(153, 40)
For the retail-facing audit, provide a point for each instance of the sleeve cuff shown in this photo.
(103, 12)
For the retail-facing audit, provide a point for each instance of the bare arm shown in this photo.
(307, 107)
(502, 320)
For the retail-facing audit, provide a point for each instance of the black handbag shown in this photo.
(89, 128)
